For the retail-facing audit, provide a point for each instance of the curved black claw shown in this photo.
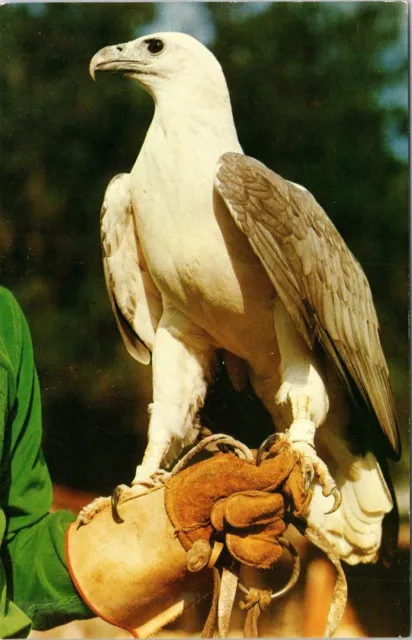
(266, 444)
(337, 496)
(117, 492)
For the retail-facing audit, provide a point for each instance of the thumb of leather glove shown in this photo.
(134, 574)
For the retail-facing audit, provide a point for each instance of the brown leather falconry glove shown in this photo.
(142, 573)
(230, 497)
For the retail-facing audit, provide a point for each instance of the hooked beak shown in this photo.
(114, 59)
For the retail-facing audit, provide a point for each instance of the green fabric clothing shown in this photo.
(35, 586)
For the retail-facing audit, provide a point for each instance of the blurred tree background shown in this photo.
(318, 93)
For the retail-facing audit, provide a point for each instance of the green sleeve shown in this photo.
(33, 554)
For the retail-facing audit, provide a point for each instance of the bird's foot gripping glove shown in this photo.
(207, 521)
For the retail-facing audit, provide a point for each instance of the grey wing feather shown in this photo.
(135, 299)
(317, 278)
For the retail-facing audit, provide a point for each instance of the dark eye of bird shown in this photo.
(154, 45)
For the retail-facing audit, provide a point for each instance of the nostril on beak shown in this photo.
(119, 48)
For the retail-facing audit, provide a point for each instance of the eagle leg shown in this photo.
(303, 389)
(183, 364)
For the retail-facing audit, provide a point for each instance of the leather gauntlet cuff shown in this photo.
(134, 574)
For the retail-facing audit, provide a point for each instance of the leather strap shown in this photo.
(340, 592)
(228, 588)
(256, 601)
(216, 551)
(210, 624)
(224, 592)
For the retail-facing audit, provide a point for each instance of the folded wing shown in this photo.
(317, 278)
(135, 300)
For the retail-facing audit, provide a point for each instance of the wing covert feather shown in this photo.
(135, 300)
(319, 281)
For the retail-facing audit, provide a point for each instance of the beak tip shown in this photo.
(92, 70)
(94, 63)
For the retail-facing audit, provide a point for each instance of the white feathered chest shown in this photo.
(197, 257)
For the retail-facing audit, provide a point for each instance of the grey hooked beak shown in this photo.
(108, 59)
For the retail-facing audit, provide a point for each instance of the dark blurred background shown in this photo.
(319, 92)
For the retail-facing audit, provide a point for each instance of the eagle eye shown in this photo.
(154, 45)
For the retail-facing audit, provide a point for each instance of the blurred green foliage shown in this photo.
(305, 81)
